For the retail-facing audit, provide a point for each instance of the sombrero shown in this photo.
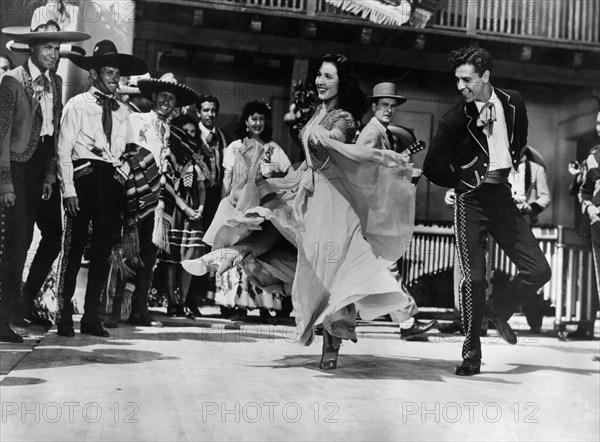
(386, 90)
(129, 85)
(106, 54)
(66, 50)
(185, 95)
(42, 32)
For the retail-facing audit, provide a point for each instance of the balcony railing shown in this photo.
(561, 21)
(557, 20)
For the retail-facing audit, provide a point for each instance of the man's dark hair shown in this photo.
(210, 98)
(480, 59)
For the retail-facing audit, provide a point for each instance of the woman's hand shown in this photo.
(320, 135)
(191, 214)
(389, 158)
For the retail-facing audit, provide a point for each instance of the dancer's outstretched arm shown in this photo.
(332, 139)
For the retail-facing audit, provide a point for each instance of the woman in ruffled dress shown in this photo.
(185, 235)
(253, 156)
(347, 209)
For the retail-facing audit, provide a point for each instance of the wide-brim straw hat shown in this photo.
(130, 87)
(185, 95)
(386, 90)
(43, 32)
(66, 50)
(106, 55)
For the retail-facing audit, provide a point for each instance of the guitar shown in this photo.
(415, 147)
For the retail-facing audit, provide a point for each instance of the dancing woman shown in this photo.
(330, 205)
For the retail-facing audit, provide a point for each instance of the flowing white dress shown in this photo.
(348, 221)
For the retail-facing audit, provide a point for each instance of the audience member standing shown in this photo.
(88, 155)
(31, 108)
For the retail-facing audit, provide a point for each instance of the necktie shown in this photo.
(390, 138)
(486, 118)
(108, 105)
(43, 87)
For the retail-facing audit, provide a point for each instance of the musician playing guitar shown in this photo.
(377, 135)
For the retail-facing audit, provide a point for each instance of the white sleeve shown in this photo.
(229, 156)
(280, 158)
(69, 129)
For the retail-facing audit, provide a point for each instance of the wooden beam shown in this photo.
(367, 54)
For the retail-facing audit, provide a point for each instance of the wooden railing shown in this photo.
(568, 21)
(285, 6)
(557, 20)
(571, 288)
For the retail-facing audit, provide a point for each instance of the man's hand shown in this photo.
(594, 213)
(46, 191)
(450, 197)
(72, 205)
(524, 207)
(7, 199)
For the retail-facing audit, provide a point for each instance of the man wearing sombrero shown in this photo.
(30, 113)
(150, 201)
(88, 154)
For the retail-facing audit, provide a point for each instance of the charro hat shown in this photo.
(43, 32)
(386, 90)
(128, 86)
(185, 95)
(106, 54)
(66, 50)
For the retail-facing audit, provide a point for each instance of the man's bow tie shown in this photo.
(486, 118)
(105, 100)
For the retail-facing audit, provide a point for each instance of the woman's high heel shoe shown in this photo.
(331, 349)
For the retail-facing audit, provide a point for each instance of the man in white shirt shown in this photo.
(30, 111)
(88, 153)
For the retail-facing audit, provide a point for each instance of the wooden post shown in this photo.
(299, 72)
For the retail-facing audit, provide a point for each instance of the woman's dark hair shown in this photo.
(10, 62)
(480, 59)
(256, 107)
(351, 98)
(183, 119)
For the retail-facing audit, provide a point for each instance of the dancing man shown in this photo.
(476, 145)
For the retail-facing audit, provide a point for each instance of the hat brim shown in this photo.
(398, 98)
(22, 34)
(65, 50)
(127, 64)
(185, 95)
(128, 90)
